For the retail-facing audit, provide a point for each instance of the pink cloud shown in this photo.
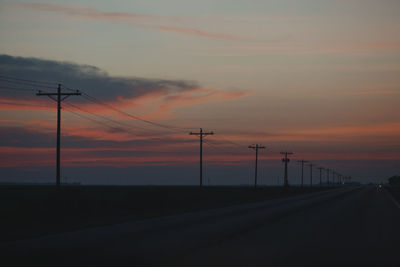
(374, 92)
(380, 46)
(87, 12)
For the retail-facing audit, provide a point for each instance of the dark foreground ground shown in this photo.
(28, 211)
(349, 226)
(395, 192)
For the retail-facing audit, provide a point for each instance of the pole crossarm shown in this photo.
(201, 134)
(256, 147)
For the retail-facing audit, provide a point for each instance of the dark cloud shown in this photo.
(89, 79)
(22, 137)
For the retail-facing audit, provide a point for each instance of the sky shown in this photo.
(317, 78)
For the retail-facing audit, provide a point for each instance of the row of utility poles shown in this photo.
(59, 96)
(341, 178)
(286, 160)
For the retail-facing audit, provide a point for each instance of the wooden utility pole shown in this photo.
(320, 175)
(302, 171)
(311, 165)
(327, 175)
(286, 160)
(256, 147)
(58, 97)
(201, 134)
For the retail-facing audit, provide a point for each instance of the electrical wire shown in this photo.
(26, 80)
(215, 144)
(100, 102)
(104, 117)
(25, 83)
(15, 88)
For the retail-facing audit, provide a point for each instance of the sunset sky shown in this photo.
(316, 77)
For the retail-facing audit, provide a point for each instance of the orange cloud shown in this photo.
(374, 92)
(10, 103)
(197, 96)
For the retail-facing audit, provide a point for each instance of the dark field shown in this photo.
(28, 211)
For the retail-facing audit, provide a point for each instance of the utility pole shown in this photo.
(311, 165)
(59, 98)
(201, 134)
(286, 160)
(327, 176)
(302, 170)
(256, 147)
(333, 177)
(320, 175)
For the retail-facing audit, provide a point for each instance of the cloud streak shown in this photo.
(144, 20)
(198, 32)
(87, 12)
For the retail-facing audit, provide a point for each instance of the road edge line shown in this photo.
(393, 199)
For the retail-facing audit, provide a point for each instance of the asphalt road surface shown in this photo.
(340, 227)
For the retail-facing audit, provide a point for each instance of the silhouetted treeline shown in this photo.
(394, 180)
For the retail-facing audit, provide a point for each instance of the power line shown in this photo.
(215, 146)
(95, 100)
(25, 83)
(22, 104)
(26, 80)
(102, 123)
(99, 102)
(15, 88)
(105, 118)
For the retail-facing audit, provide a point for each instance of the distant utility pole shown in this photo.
(311, 165)
(256, 147)
(327, 176)
(201, 134)
(302, 170)
(320, 175)
(58, 97)
(286, 160)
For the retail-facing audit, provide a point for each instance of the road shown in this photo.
(340, 227)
